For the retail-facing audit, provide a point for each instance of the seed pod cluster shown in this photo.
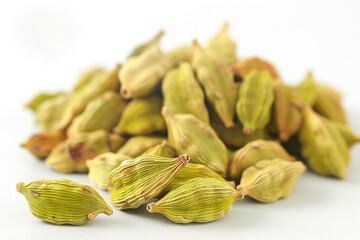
(135, 127)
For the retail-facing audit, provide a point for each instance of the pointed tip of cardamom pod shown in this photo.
(185, 158)
(242, 191)
(19, 186)
(159, 35)
(150, 207)
(167, 114)
(196, 44)
(23, 145)
(225, 26)
(125, 93)
(248, 131)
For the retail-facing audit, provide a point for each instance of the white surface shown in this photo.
(44, 44)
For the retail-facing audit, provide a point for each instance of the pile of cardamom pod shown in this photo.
(190, 131)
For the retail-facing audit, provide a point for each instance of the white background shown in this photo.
(45, 44)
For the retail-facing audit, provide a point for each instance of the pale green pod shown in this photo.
(136, 145)
(72, 154)
(139, 180)
(191, 171)
(328, 104)
(163, 149)
(218, 82)
(183, 94)
(142, 74)
(180, 54)
(223, 45)
(254, 152)
(39, 98)
(323, 146)
(256, 96)
(287, 115)
(86, 77)
(142, 116)
(349, 136)
(101, 113)
(270, 180)
(63, 201)
(101, 166)
(187, 134)
(54, 114)
(197, 200)
(144, 46)
(307, 89)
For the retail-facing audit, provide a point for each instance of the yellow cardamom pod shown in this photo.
(139, 180)
(223, 45)
(72, 154)
(218, 83)
(86, 77)
(328, 104)
(308, 89)
(254, 152)
(246, 65)
(189, 97)
(63, 201)
(109, 104)
(287, 116)
(187, 134)
(101, 166)
(142, 116)
(42, 144)
(197, 200)
(144, 46)
(180, 54)
(142, 74)
(163, 149)
(349, 136)
(256, 96)
(40, 98)
(323, 146)
(137, 145)
(270, 180)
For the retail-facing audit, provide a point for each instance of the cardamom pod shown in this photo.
(180, 54)
(142, 116)
(136, 145)
(63, 201)
(142, 74)
(42, 144)
(163, 149)
(349, 136)
(254, 152)
(189, 97)
(86, 77)
(328, 104)
(187, 134)
(223, 45)
(270, 180)
(197, 200)
(144, 46)
(246, 65)
(101, 166)
(323, 146)
(256, 96)
(218, 83)
(109, 104)
(308, 89)
(139, 180)
(72, 154)
(39, 98)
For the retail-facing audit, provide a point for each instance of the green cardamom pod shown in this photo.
(72, 154)
(39, 98)
(183, 94)
(144, 46)
(180, 54)
(101, 166)
(187, 134)
(218, 82)
(42, 144)
(223, 45)
(163, 149)
(323, 146)
(328, 104)
(270, 180)
(308, 89)
(62, 201)
(139, 180)
(197, 200)
(254, 152)
(142, 74)
(247, 65)
(86, 77)
(137, 145)
(142, 116)
(349, 136)
(256, 96)
(109, 104)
